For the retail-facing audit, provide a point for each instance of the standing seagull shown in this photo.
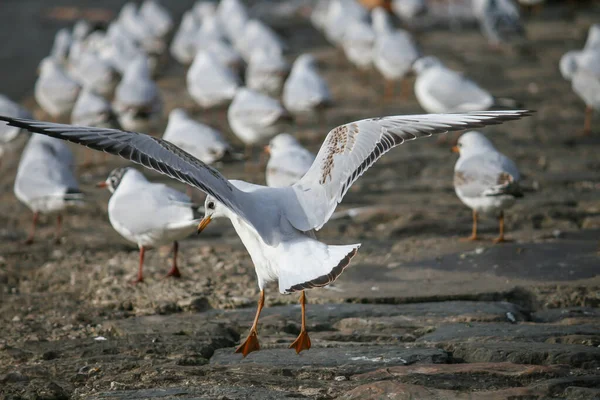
(485, 180)
(8, 134)
(394, 52)
(148, 214)
(45, 182)
(210, 83)
(288, 161)
(55, 91)
(255, 117)
(199, 140)
(442, 90)
(499, 21)
(305, 91)
(138, 102)
(276, 225)
(582, 68)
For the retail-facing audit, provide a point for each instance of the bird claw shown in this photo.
(500, 239)
(471, 238)
(302, 342)
(174, 272)
(250, 345)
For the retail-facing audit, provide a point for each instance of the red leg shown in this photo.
(36, 216)
(474, 231)
(251, 342)
(500, 238)
(140, 277)
(58, 229)
(174, 272)
(303, 341)
(587, 125)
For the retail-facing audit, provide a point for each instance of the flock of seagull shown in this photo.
(103, 80)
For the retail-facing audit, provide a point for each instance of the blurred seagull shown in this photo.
(149, 214)
(394, 53)
(339, 13)
(45, 182)
(183, 46)
(209, 82)
(442, 90)
(138, 101)
(157, 17)
(61, 47)
(55, 91)
(288, 161)
(485, 180)
(305, 91)
(408, 10)
(358, 43)
(96, 74)
(204, 8)
(276, 225)
(119, 48)
(499, 21)
(266, 72)
(233, 16)
(593, 39)
(91, 109)
(257, 35)
(582, 68)
(224, 53)
(201, 141)
(9, 134)
(255, 117)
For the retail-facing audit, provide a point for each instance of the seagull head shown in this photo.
(114, 179)
(281, 142)
(212, 209)
(424, 63)
(472, 142)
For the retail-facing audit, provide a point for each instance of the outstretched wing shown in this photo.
(349, 150)
(152, 153)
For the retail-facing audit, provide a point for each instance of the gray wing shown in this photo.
(150, 152)
(349, 150)
(488, 174)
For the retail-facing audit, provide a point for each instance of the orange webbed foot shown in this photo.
(302, 342)
(250, 345)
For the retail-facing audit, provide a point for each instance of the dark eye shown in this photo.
(211, 205)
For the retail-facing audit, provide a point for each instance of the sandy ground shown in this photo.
(57, 298)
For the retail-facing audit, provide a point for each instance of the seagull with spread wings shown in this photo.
(277, 225)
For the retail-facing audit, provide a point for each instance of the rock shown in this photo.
(13, 377)
(526, 353)
(401, 391)
(347, 360)
(50, 355)
(579, 393)
(508, 332)
(192, 360)
(197, 304)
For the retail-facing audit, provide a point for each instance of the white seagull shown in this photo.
(305, 91)
(276, 225)
(183, 45)
(266, 72)
(210, 83)
(582, 68)
(55, 91)
(149, 214)
(9, 134)
(440, 89)
(288, 161)
(138, 101)
(45, 182)
(485, 180)
(255, 117)
(394, 52)
(201, 141)
(499, 21)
